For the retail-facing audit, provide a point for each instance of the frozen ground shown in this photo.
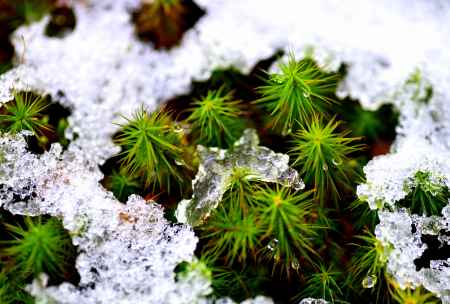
(101, 70)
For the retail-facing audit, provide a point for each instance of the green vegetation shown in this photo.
(232, 234)
(427, 196)
(37, 246)
(31, 112)
(215, 119)
(297, 92)
(14, 13)
(122, 185)
(264, 234)
(364, 217)
(30, 246)
(324, 284)
(414, 296)
(151, 149)
(240, 284)
(321, 154)
(368, 267)
(12, 289)
(233, 230)
(24, 113)
(370, 258)
(285, 217)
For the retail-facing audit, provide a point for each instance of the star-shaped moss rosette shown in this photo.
(216, 167)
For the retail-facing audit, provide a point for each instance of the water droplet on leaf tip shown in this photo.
(286, 132)
(325, 167)
(178, 129)
(295, 264)
(276, 257)
(272, 244)
(337, 162)
(369, 281)
(179, 162)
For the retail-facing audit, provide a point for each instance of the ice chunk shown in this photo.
(216, 167)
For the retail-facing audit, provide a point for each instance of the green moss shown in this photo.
(151, 149)
(322, 155)
(12, 289)
(37, 246)
(294, 94)
(414, 296)
(369, 263)
(26, 112)
(241, 283)
(215, 120)
(286, 218)
(122, 185)
(427, 196)
(324, 284)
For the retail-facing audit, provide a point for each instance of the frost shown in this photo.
(217, 165)
(127, 253)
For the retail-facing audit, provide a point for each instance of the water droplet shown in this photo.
(272, 245)
(276, 257)
(180, 162)
(337, 162)
(369, 281)
(277, 79)
(286, 132)
(325, 167)
(295, 264)
(306, 94)
(178, 129)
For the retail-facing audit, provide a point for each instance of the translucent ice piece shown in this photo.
(216, 166)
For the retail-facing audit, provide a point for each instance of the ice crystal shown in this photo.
(127, 253)
(217, 165)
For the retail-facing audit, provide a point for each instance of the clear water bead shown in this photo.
(370, 281)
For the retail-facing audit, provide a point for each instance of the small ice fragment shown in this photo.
(216, 166)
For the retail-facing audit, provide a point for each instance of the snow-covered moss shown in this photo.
(124, 251)
(101, 69)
